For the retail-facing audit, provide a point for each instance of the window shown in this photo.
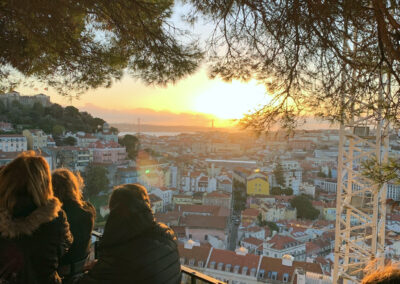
(285, 277)
(228, 267)
(212, 265)
(253, 272)
(201, 263)
(261, 274)
(220, 265)
(190, 236)
(274, 275)
(269, 274)
(244, 270)
(206, 237)
(191, 261)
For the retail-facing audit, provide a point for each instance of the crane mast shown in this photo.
(361, 203)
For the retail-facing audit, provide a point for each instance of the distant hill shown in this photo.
(52, 119)
(127, 127)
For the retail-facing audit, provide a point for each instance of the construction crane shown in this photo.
(361, 203)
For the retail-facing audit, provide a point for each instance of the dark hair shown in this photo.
(67, 185)
(387, 275)
(131, 202)
(131, 216)
(131, 196)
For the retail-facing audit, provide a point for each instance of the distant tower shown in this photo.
(138, 134)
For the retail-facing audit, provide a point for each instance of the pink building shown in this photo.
(108, 152)
(200, 228)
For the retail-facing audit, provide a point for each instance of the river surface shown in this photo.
(154, 133)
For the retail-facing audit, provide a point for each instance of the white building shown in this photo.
(280, 245)
(306, 188)
(293, 174)
(165, 194)
(13, 143)
(393, 191)
(241, 267)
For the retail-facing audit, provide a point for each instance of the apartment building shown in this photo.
(13, 143)
(36, 138)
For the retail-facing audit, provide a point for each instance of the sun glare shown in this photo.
(230, 100)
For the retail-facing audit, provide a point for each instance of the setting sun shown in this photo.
(230, 100)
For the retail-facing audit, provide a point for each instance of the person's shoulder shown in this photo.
(165, 232)
(88, 207)
(61, 217)
(61, 221)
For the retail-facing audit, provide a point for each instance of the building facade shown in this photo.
(36, 138)
(13, 143)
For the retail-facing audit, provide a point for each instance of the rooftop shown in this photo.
(280, 242)
(204, 222)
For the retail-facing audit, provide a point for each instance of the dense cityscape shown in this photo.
(245, 208)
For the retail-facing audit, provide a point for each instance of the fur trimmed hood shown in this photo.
(13, 227)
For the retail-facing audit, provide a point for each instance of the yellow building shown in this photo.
(257, 184)
(36, 138)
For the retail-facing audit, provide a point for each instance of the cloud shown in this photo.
(148, 116)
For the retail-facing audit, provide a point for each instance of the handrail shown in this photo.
(195, 275)
(192, 274)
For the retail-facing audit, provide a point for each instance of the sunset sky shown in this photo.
(195, 100)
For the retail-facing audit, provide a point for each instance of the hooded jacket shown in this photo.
(132, 251)
(32, 240)
(81, 221)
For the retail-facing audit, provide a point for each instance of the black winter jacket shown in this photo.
(32, 241)
(129, 253)
(81, 221)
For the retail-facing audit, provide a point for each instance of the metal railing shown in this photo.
(189, 276)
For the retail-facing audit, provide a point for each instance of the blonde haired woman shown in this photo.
(67, 187)
(34, 232)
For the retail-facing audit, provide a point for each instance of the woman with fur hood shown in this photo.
(34, 232)
(134, 247)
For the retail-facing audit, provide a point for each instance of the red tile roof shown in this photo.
(253, 241)
(312, 248)
(167, 217)
(196, 208)
(204, 222)
(203, 179)
(216, 194)
(279, 241)
(103, 145)
(154, 198)
(198, 253)
(253, 229)
(275, 265)
(230, 257)
(250, 212)
(11, 135)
